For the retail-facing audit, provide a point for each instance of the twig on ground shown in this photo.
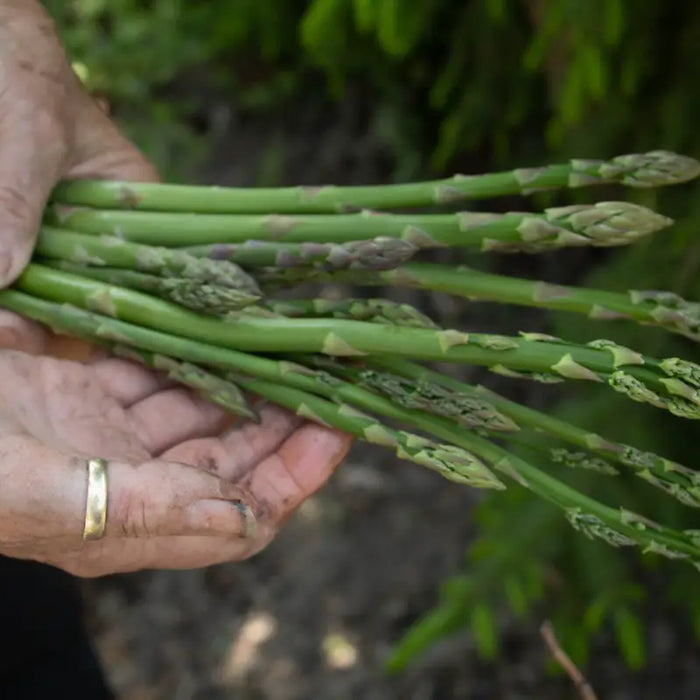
(582, 685)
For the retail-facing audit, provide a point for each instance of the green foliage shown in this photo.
(463, 84)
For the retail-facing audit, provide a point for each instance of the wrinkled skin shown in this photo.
(179, 471)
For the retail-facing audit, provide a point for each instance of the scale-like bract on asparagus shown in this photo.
(217, 256)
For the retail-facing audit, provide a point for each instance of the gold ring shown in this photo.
(96, 500)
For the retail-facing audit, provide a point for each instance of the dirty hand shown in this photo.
(181, 493)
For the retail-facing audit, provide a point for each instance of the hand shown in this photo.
(50, 129)
(162, 513)
(175, 481)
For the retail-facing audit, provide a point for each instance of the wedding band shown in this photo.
(96, 500)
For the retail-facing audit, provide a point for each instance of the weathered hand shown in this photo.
(175, 480)
(163, 513)
(50, 129)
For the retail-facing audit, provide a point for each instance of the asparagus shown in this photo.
(653, 169)
(374, 310)
(464, 409)
(618, 528)
(671, 384)
(381, 253)
(185, 291)
(210, 386)
(663, 309)
(602, 224)
(673, 478)
(110, 250)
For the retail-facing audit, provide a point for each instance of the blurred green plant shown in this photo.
(458, 84)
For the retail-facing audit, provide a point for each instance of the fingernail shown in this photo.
(250, 522)
(222, 517)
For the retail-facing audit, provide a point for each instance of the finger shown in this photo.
(31, 159)
(128, 382)
(242, 447)
(301, 465)
(159, 498)
(126, 555)
(44, 498)
(173, 416)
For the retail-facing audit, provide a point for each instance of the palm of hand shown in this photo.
(176, 480)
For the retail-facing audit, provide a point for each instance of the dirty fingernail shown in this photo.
(222, 517)
(250, 522)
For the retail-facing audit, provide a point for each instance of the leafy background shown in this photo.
(261, 92)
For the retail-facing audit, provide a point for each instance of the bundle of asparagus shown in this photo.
(183, 279)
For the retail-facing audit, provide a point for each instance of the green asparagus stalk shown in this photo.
(671, 384)
(653, 169)
(373, 310)
(113, 251)
(673, 478)
(189, 293)
(602, 224)
(463, 408)
(381, 253)
(208, 385)
(618, 528)
(663, 309)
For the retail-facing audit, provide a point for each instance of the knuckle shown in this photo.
(129, 516)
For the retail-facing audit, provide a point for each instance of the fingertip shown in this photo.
(299, 468)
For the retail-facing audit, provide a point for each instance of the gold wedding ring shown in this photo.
(96, 500)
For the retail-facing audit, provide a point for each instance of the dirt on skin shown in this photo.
(316, 614)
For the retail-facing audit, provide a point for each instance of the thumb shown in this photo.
(28, 173)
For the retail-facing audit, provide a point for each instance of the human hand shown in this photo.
(174, 478)
(162, 513)
(50, 129)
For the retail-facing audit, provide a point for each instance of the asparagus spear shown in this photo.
(190, 293)
(210, 386)
(663, 309)
(653, 169)
(673, 478)
(110, 250)
(374, 310)
(670, 384)
(464, 409)
(381, 253)
(601, 224)
(618, 528)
